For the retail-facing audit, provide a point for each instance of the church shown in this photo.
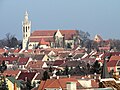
(47, 38)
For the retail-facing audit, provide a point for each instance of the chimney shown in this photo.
(57, 77)
(71, 85)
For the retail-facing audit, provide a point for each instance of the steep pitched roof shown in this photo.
(29, 75)
(49, 34)
(104, 73)
(73, 64)
(56, 83)
(3, 51)
(115, 58)
(112, 63)
(23, 61)
(39, 56)
(38, 39)
(43, 42)
(58, 62)
(11, 72)
(9, 59)
(35, 64)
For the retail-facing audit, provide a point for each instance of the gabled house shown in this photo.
(11, 62)
(114, 65)
(59, 84)
(73, 64)
(27, 75)
(36, 64)
(23, 62)
(13, 73)
(42, 57)
(13, 84)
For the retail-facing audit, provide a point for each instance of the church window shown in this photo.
(26, 29)
(26, 35)
(23, 29)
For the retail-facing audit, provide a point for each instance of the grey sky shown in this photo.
(94, 16)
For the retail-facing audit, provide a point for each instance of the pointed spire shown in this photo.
(26, 17)
(104, 73)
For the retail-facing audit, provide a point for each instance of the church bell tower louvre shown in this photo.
(26, 30)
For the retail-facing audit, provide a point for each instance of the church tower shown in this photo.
(26, 30)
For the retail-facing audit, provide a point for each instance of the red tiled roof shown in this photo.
(47, 39)
(11, 72)
(35, 64)
(115, 58)
(110, 53)
(112, 63)
(17, 50)
(104, 48)
(52, 32)
(2, 51)
(68, 34)
(43, 42)
(9, 59)
(56, 83)
(94, 84)
(23, 61)
(40, 75)
(58, 62)
(29, 75)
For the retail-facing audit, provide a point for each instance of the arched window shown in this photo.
(26, 29)
(23, 29)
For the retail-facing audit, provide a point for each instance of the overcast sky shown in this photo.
(94, 16)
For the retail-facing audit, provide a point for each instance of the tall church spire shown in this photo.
(26, 17)
(104, 73)
(26, 29)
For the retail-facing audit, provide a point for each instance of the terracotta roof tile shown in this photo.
(23, 61)
(48, 35)
(58, 62)
(43, 42)
(29, 75)
(56, 83)
(35, 64)
(11, 72)
(112, 63)
(115, 58)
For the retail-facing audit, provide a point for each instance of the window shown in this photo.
(23, 29)
(118, 68)
(26, 29)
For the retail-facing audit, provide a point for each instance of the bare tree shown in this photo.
(9, 41)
